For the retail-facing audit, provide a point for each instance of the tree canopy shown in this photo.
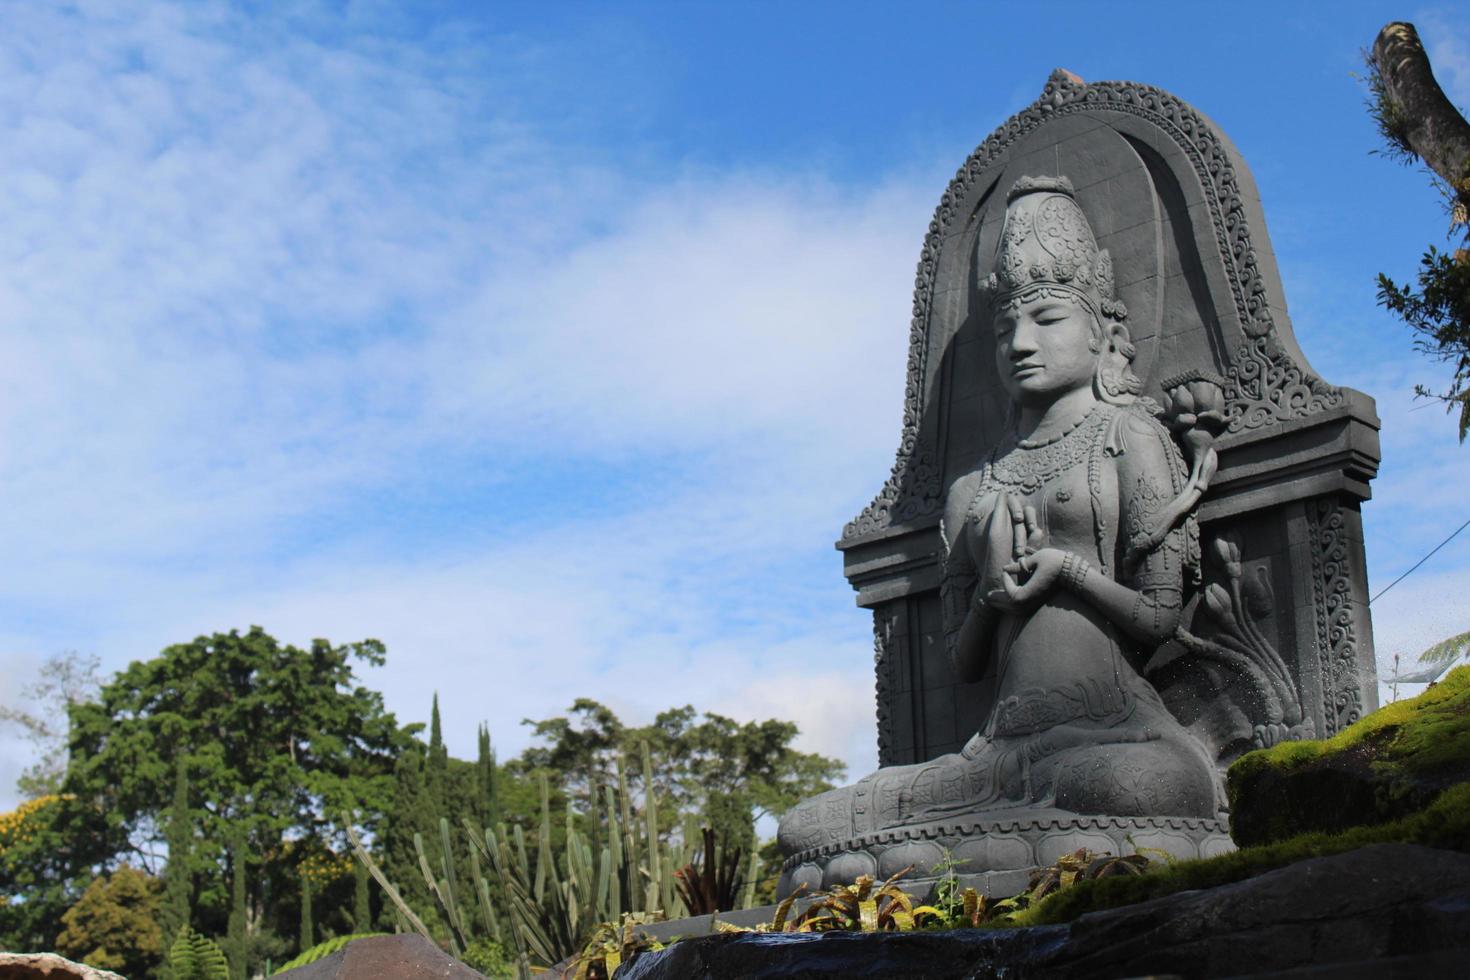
(727, 773)
(275, 739)
(206, 787)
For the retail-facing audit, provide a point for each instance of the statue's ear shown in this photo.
(1115, 381)
(1119, 341)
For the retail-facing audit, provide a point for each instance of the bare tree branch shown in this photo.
(1413, 110)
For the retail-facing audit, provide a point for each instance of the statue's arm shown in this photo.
(1149, 615)
(1146, 598)
(966, 616)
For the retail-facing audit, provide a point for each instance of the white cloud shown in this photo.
(243, 286)
(1449, 55)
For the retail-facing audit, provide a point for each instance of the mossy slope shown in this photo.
(1410, 751)
(1387, 766)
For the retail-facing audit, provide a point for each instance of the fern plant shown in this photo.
(196, 957)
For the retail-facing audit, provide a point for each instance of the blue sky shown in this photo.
(553, 344)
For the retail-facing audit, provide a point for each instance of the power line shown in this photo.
(1420, 562)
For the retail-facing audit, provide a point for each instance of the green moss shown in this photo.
(1386, 766)
(1422, 734)
(1444, 824)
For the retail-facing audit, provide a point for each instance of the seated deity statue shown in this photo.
(1067, 551)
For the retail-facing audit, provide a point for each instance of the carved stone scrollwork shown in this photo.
(885, 667)
(1266, 385)
(1336, 631)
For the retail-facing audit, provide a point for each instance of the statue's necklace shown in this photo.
(1030, 464)
(1039, 443)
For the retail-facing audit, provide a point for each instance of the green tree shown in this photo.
(114, 926)
(1418, 123)
(308, 928)
(47, 857)
(411, 813)
(362, 917)
(730, 773)
(438, 763)
(67, 679)
(178, 876)
(237, 942)
(280, 742)
(582, 750)
(724, 773)
(485, 766)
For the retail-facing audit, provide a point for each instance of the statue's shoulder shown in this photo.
(1138, 436)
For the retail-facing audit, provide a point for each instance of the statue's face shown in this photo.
(1045, 348)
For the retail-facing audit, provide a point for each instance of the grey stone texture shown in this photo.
(407, 956)
(1389, 910)
(49, 966)
(1273, 640)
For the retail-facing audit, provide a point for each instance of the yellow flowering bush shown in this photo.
(324, 868)
(20, 826)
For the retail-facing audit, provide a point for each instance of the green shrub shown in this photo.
(488, 956)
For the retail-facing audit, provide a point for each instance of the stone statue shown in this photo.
(1086, 605)
(1066, 551)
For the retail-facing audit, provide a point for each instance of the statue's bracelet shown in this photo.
(977, 599)
(1074, 570)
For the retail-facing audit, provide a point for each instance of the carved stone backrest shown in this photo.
(1171, 199)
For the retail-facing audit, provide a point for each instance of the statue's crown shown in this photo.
(1047, 241)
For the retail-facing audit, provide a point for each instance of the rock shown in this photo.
(407, 956)
(1384, 910)
(49, 966)
(891, 955)
(1388, 765)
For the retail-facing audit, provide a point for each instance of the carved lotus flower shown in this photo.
(1196, 400)
(1227, 551)
(1217, 601)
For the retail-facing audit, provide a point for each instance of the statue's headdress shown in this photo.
(1048, 245)
(1047, 248)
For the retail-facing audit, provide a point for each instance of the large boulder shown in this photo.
(1382, 911)
(49, 966)
(407, 956)
(1386, 766)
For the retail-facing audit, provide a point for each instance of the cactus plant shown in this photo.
(552, 905)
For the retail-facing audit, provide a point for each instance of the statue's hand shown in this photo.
(1028, 580)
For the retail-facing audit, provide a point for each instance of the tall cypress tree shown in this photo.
(236, 935)
(362, 919)
(438, 781)
(485, 780)
(178, 882)
(307, 930)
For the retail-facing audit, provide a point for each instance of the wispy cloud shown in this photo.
(351, 334)
(1449, 53)
(324, 336)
